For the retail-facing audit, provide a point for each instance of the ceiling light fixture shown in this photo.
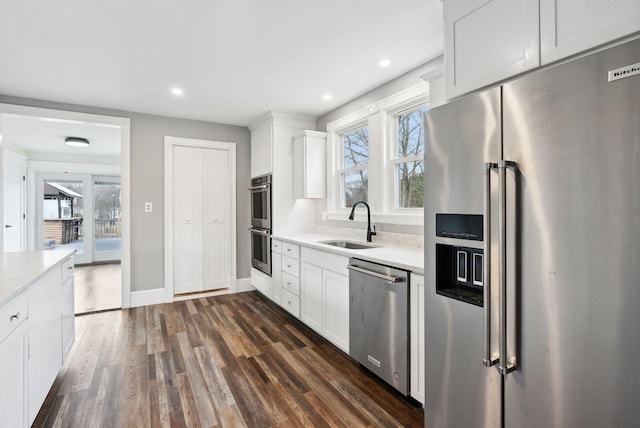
(177, 91)
(327, 97)
(384, 63)
(76, 142)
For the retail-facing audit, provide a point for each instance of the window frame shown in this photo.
(394, 160)
(341, 170)
(378, 116)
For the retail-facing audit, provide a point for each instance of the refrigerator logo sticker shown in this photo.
(622, 72)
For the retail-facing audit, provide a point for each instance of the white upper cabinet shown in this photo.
(568, 27)
(310, 165)
(261, 149)
(488, 41)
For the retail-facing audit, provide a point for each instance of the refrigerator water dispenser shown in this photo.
(459, 273)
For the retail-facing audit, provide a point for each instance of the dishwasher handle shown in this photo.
(389, 279)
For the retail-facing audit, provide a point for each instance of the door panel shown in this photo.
(460, 137)
(188, 216)
(107, 242)
(14, 206)
(575, 138)
(216, 176)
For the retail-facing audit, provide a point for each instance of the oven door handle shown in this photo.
(261, 187)
(259, 232)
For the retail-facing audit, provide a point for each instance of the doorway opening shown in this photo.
(83, 212)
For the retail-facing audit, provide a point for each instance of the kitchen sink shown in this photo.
(350, 245)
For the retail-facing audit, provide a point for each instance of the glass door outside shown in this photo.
(107, 238)
(65, 212)
(83, 212)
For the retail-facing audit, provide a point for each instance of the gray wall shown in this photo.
(405, 81)
(147, 184)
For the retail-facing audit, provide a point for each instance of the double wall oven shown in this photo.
(261, 223)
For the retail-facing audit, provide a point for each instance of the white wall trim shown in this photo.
(244, 284)
(169, 144)
(156, 296)
(125, 164)
(147, 297)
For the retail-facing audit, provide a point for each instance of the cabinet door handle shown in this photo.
(15, 317)
(70, 268)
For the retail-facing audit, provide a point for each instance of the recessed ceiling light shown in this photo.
(177, 91)
(76, 142)
(384, 63)
(327, 97)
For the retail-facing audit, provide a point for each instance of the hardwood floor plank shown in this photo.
(155, 339)
(216, 384)
(197, 384)
(85, 358)
(135, 384)
(225, 361)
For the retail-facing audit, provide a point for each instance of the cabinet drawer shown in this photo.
(291, 283)
(291, 266)
(276, 246)
(12, 315)
(291, 250)
(68, 269)
(291, 302)
(325, 260)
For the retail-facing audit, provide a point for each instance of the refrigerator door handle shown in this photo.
(504, 365)
(487, 359)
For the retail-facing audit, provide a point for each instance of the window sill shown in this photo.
(412, 219)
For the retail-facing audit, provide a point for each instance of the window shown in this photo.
(408, 158)
(376, 154)
(355, 161)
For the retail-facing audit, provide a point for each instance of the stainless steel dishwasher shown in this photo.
(379, 320)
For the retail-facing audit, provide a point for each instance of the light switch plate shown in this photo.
(148, 207)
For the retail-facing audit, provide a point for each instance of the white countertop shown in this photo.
(408, 258)
(19, 270)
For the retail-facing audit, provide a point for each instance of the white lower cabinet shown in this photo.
(336, 308)
(36, 334)
(324, 295)
(311, 291)
(276, 277)
(288, 282)
(68, 307)
(13, 363)
(417, 350)
(45, 337)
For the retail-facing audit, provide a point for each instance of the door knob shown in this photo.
(7, 226)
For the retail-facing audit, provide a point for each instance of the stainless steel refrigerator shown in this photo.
(532, 250)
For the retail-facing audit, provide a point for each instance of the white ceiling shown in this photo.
(235, 59)
(46, 135)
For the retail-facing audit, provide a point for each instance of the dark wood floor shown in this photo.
(236, 360)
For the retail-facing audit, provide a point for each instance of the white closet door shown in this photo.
(188, 185)
(217, 226)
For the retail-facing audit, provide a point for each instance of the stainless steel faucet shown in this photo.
(369, 232)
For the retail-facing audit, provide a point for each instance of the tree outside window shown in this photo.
(409, 162)
(355, 161)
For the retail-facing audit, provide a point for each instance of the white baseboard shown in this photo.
(157, 295)
(244, 284)
(147, 297)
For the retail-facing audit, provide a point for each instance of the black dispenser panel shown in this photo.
(460, 226)
(459, 273)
